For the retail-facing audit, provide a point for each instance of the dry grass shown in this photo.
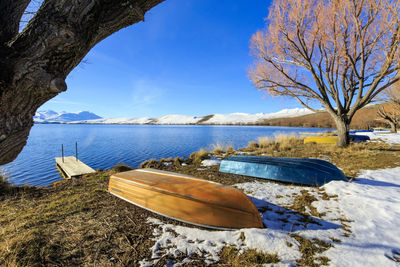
(231, 257)
(74, 223)
(309, 248)
(220, 148)
(252, 146)
(265, 141)
(200, 155)
(121, 168)
(286, 142)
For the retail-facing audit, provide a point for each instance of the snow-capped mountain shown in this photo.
(87, 117)
(50, 116)
(215, 119)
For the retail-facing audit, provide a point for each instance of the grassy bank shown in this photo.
(77, 222)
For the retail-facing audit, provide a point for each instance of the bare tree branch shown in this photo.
(35, 62)
(342, 53)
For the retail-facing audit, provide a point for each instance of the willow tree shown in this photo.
(340, 53)
(35, 62)
(391, 110)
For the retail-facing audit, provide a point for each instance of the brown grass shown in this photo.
(265, 141)
(74, 223)
(286, 142)
(231, 257)
(200, 155)
(309, 248)
(220, 148)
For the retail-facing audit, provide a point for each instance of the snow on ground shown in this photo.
(210, 162)
(390, 138)
(373, 205)
(361, 220)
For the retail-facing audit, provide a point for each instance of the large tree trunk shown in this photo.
(342, 125)
(393, 127)
(35, 62)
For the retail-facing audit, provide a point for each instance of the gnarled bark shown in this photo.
(342, 126)
(35, 62)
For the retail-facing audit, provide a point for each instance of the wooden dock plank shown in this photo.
(73, 167)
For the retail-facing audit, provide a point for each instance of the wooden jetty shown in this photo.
(72, 167)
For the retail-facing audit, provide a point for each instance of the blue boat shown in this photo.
(359, 138)
(361, 131)
(314, 172)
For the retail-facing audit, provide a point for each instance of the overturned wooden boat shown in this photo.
(321, 139)
(315, 172)
(187, 199)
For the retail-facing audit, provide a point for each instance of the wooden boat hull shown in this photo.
(334, 139)
(321, 139)
(185, 198)
(314, 172)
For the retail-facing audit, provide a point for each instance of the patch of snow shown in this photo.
(390, 138)
(210, 162)
(372, 204)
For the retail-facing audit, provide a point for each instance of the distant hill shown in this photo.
(214, 119)
(297, 117)
(363, 119)
(50, 116)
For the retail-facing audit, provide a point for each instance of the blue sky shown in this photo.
(188, 57)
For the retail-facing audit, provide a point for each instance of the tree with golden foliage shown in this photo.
(391, 111)
(340, 53)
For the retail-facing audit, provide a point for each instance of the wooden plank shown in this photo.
(73, 167)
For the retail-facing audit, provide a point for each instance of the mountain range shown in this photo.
(86, 117)
(50, 116)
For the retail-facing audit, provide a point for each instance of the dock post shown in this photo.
(76, 151)
(62, 152)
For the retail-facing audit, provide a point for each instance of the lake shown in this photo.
(104, 146)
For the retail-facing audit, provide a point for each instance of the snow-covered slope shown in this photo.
(49, 116)
(244, 118)
(177, 119)
(217, 119)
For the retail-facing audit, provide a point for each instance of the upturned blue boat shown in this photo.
(361, 131)
(314, 172)
(359, 138)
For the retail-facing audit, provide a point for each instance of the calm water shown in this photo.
(104, 146)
